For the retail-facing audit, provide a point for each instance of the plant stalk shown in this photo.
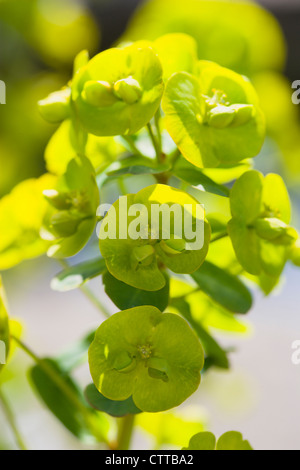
(64, 387)
(126, 426)
(12, 421)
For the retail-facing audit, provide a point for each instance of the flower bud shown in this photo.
(275, 230)
(58, 200)
(221, 117)
(64, 224)
(128, 90)
(295, 253)
(98, 94)
(173, 246)
(56, 107)
(243, 113)
(123, 362)
(142, 255)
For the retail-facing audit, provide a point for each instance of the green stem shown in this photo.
(174, 156)
(12, 421)
(126, 426)
(132, 145)
(89, 293)
(219, 237)
(155, 143)
(156, 120)
(64, 387)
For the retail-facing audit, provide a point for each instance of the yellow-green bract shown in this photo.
(231, 440)
(155, 358)
(136, 262)
(72, 212)
(118, 91)
(21, 218)
(213, 117)
(259, 229)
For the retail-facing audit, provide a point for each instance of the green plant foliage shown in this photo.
(113, 408)
(177, 53)
(202, 441)
(172, 427)
(215, 355)
(20, 226)
(64, 146)
(135, 262)
(163, 141)
(214, 117)
(118, 91)
(231, 440)
(60, 405)
(75, 276)
(130, 357)
(239, 35)
(125, 296)
(73, 203)
(194, 176)
(259, 228)
(223, 288)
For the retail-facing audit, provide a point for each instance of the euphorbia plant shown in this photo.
(179, 131)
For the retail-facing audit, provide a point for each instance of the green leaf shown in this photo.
(202, 441)
(118, 91)
(155, 358)
(197, 116)
(137, 170)
(188, 173)
(59, 405)
(233, 441)
(117, 409)
(214, 354)
(4, 328)
(223, 287)
(75, 276)
(125, 296)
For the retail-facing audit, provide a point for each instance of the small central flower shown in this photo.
(145, 351)
(218, 98)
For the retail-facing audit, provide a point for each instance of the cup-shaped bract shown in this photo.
(259, 230)
(118, 91)
(21, 216)
(159, 226)
(214, 116)
(72, 211)
(177, 52)
(155, 358)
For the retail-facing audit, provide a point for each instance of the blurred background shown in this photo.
(39, 39)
